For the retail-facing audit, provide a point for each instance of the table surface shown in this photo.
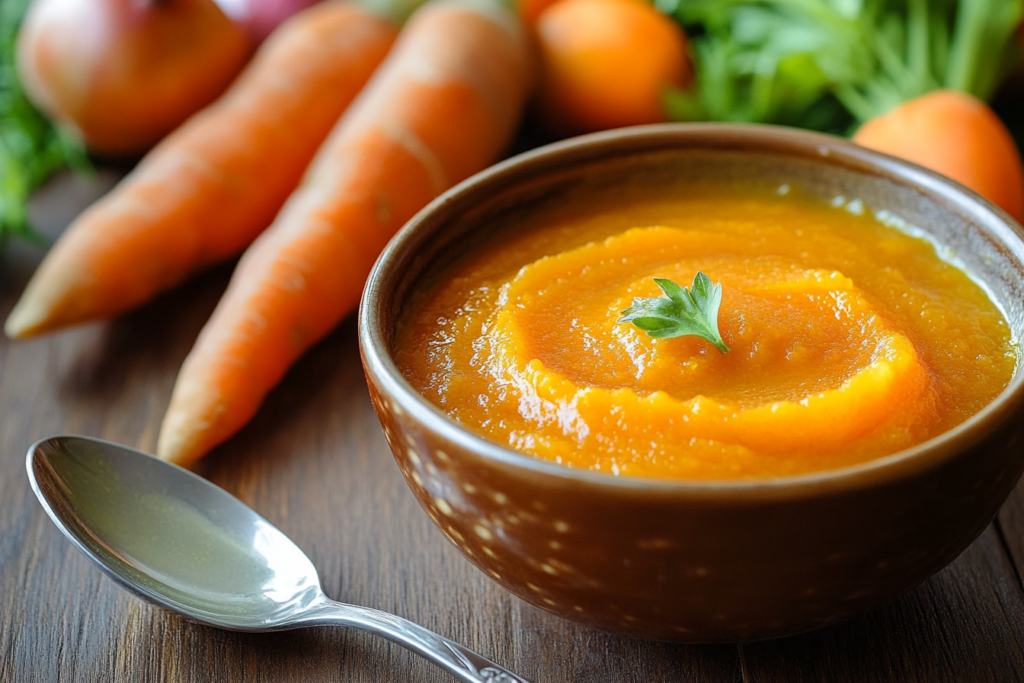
(314, 462)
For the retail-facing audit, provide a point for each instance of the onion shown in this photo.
(260, 17)
(124, 73)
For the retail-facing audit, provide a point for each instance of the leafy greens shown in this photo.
(831, 64)
(31, 148)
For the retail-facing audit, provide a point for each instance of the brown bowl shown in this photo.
(699, 561)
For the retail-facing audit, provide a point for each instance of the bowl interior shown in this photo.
(574, 177)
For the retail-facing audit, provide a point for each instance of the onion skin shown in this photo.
(122, 74)
(259, 18)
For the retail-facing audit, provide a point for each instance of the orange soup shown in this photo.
(850, 338)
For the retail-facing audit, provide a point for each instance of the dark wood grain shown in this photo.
(314, 463)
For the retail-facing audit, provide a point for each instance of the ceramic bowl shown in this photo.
(699, 561)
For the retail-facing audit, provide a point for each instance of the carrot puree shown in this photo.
(850, 339)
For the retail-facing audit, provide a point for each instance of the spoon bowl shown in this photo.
(178, 541)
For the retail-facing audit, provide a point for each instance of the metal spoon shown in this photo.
(180, 542)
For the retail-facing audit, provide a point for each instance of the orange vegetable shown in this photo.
(607, 63)
(124, 73)
(443, 106)
(957, 135)
(530, 10)
(211, 187)
(260, 18)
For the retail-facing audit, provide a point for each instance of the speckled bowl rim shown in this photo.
(757, 139)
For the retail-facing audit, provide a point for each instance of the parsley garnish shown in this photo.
(686, 312)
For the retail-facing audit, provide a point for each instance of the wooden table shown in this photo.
(314, 463)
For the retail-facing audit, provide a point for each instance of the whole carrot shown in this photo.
(206, 191)
(442, 106)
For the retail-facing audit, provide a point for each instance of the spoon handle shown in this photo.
(457, 660)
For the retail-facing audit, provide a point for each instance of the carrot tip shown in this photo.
(25, 321)
(173, 447)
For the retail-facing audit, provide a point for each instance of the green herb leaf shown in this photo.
(685, 313)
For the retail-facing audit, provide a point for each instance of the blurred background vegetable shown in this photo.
(529, 10)
(606, 64)
(259, 18)
(31, 148)
(834, 65)
(830, 64)
(770, 61)
(123, 73)
(959, 136)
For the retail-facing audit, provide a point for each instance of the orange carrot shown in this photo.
(530, 10)
(957, 135)
(443, 106)
(206, 191)
(607, 63)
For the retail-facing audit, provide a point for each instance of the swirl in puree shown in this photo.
(849, 339)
